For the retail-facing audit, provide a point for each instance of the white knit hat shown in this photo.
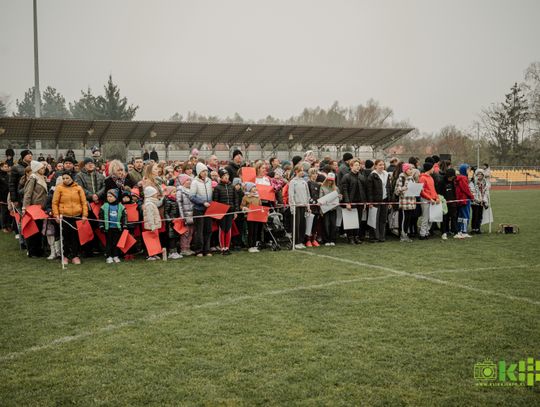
(149, 191)
(200, 167)
(36, 166)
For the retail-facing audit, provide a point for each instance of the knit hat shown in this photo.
(235, 153)
(479, 171)
(182, 179)
(236, 181)
(331, 176)
(347, 156)
(463, 169)
(406, 167)
(295, 160)
(428, 166)
(249, 186)
(70, 173)
(113, 192)
(24, 153)
(200, 167)
(222, 172)
(149, 191)
(87, 160)
(36, 166)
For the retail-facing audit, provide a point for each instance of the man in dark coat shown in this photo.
(235, 164)
(345, 167)
(17, 172)
(353, 189)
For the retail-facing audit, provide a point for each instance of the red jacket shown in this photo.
(463, 192)
(428, 192)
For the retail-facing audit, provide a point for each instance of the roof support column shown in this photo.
(84, 150)
(246, 147)
(56, 152)
(263, 145)
(167, 152)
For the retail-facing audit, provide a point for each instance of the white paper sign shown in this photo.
(350, 219)
(414, 189)
(372, 217)
(309, 223)
(435, 213)
(487, 216)
(329, 201)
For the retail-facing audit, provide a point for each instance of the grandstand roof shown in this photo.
(90, 132)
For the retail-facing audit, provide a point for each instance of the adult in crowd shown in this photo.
(354, 190)
(35, 193)
(5, 222)
(91, 181)
(212, 163)
(135, 176)
(393, 163)
(235, 164)
(379, 190)
(9, 156)
(154, 155)
(117, 178)
(201, 195)
(428, 197)
(17, 172)
(345, 167)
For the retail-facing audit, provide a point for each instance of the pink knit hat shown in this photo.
(406, 166)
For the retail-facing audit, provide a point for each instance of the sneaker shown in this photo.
(309, 244)
(459, 235)
(315, 243)
(66, 260)
(466, 235)
(187, 253)
(152, 258)
(253, 250)
(116, 259)
(299, 246)
(76, 260)
(175, 256)
(328, 244)
(52, 256)
(226, 252)
(16, 237)
(200, 255)
(109, 260)
(444, 236)
(332, 243)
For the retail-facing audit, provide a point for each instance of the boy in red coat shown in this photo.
(464, 195)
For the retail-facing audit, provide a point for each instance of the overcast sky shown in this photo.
(433, 62)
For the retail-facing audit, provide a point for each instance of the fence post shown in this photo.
(62, 243)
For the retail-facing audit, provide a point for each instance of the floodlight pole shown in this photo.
(37, 95)
(477, 145)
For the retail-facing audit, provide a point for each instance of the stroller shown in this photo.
(276, 237)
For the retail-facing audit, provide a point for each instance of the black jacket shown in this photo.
(375, 187)
(314, 192)
(225, 194)
(17, 172)
(4, 186)
(232, 169)
(353, 188)
(448, 190)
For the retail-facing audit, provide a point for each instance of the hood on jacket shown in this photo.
(463, 169)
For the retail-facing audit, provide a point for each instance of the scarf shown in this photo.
(40, 180)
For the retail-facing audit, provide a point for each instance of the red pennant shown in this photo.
(36, 212)
(215, 226)
(126, 242)
(132, 212)
(217, 210)
(258, 213)
(29, 227)
(234, 229)
(152, 243)
(84, 229)
(248, 174)
(95, 209)
(100, 236)
(180, 226)
(266, 192)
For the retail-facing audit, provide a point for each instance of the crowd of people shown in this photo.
(147, 195)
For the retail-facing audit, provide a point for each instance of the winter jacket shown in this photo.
(93, 184)
(69, 201)
(449, 191)
(375, 187)
(104, 215)
(353, 187)
(314, 194)
(134, 177)
(463, 192)
(248, 200)
(224, 193)
(344, 169)
(34, 192)
(152, 218)
(232, 169)
(239, 195)
(4, 186)
(480, 193)
(185, 206)
(17, 172)
(298, 192)
(200, 192)
(407, 203)
(428, 191)
(172, 211)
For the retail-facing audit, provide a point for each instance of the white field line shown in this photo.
(159, 316)
(433, 279)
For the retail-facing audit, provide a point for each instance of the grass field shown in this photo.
(385, 324)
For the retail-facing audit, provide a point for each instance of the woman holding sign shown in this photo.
(200, 194)
(69, 201)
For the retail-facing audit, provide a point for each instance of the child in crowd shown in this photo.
(464, 196)
(407, 204)
(330, 217)
(152, 219)
(113, 220)
(185, 208)
(251, 197)
(224, 193)
(480, 192)
(201, 195)
(240, 221)
(299, 201)
(449, 224)
(172, 211)
(314, 195)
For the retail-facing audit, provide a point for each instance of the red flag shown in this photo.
(95, 209)
(215, 226)
(84, 229)
(17, 216)
(29, 227)
(234, 229)
(248, 174)
(217, 210)
(258, 213)
(100, 236)
(152, 243)
(180, 226)
(126, 242)
(132, 212)
(36, 212)
(266, 192)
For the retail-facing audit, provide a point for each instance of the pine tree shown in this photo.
(54, 104)
(112, 107)
(85, 108)
(26, 107)
(516, 109)
(3, 109)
